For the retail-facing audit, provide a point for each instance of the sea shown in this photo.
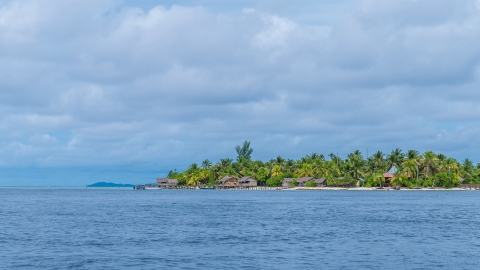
(78, 228)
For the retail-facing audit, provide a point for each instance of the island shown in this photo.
(105, 184)
(384, 171)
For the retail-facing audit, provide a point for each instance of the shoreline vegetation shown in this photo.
(385, 189)
(395, 170)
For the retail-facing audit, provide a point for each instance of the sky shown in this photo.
(124, 91)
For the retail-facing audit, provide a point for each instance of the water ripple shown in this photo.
(127, 229)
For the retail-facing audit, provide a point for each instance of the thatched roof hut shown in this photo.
(166, 182)
(286, 182)
(229, 181)
(248, 181)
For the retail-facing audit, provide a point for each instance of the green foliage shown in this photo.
(447, 179)
(245, 151)
(346, 181)
(431, 169)
(371, 181)
(310, 184)
(399, 180)
(274, 182)
(294, 183)
(305, 170)
(262, 174)
(411, 185)
(277, 180)
(206, 164)
(173, 174)
(212, 182)
(427, 182)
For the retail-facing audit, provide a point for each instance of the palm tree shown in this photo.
(398, 178)
(314, 156)
(410, 166)
(262, 174)
(329, 169)
(377, 161)
(430, 160)
(305, 171)
(431, 164)
(356, 163)
(276, 171)
(193, 167)
(226, 162)
(305, 159)
(206, 164)
(245, 151)
(412, 154)
(204, 176)
(395, 158)
(290, 166)
(335, 158)
(451, 165)
(379, 177)
(441, 157)
(193, 178)
(468, 165)
(280, 160)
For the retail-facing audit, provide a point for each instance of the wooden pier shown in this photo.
(179, 187)
(139, 187)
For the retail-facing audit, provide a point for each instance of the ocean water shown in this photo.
(52, 228)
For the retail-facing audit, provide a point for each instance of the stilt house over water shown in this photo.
(229, 181)
(248, 181)
(320, 182)
(286, 182)
(167, 182)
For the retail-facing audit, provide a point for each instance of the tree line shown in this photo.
(413, 169)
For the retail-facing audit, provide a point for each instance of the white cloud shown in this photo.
(277, 31)
(174, 85)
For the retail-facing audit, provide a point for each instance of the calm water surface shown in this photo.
(208, 229)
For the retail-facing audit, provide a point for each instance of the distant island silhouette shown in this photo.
(105, 184)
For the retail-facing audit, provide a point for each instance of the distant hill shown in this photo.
(105, 184)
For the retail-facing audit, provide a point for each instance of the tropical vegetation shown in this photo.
(410, 169)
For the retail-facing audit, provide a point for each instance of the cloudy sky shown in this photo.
(124, 91)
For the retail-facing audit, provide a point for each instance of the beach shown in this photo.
(381, 189)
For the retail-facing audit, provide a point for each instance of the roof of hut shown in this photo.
(226, 178)
(392, 170)
(288, 180)
(305, 179)
(245, 178)
(320, 180)
(167, 181)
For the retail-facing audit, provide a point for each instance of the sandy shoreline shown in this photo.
(376, 189)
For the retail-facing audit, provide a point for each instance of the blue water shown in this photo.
(208, 229)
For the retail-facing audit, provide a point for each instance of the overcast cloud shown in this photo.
(125, 91)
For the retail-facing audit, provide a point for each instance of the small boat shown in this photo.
(153, 188)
